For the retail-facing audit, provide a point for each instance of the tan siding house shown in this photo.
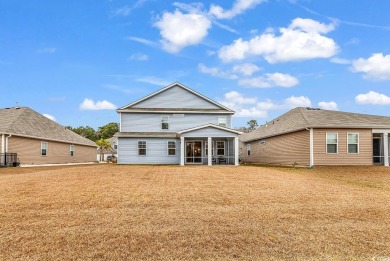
(309, 137)
(36, 139)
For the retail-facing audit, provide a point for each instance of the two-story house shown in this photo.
(176, 125)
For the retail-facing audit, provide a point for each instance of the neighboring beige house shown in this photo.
(310, 137)
(38, 140)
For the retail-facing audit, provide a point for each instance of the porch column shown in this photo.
(182, 152)
(210, 153)
(236, 161)
(3, 143)
(311, 148)
(386, 148)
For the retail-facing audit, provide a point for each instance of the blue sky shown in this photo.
(77, 61)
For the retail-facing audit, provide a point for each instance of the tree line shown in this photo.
(103, 132)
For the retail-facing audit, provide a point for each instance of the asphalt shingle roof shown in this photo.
(26, 122)
(301, 118)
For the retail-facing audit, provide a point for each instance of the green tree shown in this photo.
(108, 130)
(86, 132)
(252, 125)
(103, 145)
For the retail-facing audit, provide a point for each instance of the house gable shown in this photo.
(176, 96)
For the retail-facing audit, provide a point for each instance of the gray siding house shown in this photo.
(176, 125)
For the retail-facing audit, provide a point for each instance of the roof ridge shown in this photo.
(17, 118)
(303, 115)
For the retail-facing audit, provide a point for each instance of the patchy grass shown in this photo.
(171, 212)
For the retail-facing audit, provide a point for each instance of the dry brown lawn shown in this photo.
(112, 212)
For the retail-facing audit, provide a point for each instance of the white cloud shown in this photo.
(179, 30)
(270, 80)
(51, 117)
(89, 104)
(47, 50)
(377, 67)
(216, 72)
(123, 11)
(251, 107)
(139, 57)
(302, 40)
(141, 40)
(246, 69)
(332, 106)
(239, 7)
(297, 101)
(373, 98)
(153, 80)
(340, 61)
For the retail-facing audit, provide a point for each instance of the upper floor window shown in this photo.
(71, 150)
(171, 148)
(44, 146)
(141, 148)
(248, 149)
(222, 121)
(353, 143)
(331, 143)
(165, 122)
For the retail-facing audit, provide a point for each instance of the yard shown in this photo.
(171, 212)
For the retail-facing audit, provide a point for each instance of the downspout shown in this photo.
(311, 147)
(6, 142)
(2, 143)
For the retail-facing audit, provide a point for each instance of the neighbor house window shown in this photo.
(248, 149)
(220, 148)
(222, 121)
(353, 143)
(71, 150)
(164, 122)
(43, 148)
(207, 148)
(142, 148)
(171, 148)
(331, 143)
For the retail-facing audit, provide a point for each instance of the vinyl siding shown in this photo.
(143, 122)
(176, 97)
(156, 151)
(29, 151)
(209, 132)
(364, 157)
(284, 149)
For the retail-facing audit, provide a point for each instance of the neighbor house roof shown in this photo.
(28, 123)
(301, 118)
(176, 84)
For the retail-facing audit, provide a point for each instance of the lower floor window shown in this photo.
(44, 148)
(142, 148)
(220, 148)
(171, 148)
(71, 150)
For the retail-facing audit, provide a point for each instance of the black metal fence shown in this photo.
(9, 160)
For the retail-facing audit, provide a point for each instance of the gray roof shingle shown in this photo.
(301, 118)
(26, 122)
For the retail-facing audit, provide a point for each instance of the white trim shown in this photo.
(386, 149)
(168, 141)
(138, 148)
(2, 143)
(311, 147)
(195, 111)
(182, 151)
(236, 152)
(212, 148)
(358, 142)
(171, 86)
(337, 143)
(387, 131)
(209, 125)
(209, 148)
